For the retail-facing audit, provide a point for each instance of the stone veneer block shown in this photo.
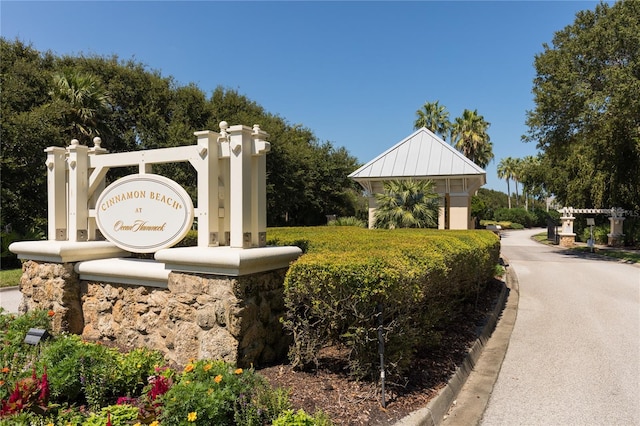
(227, 260)
(66, 251)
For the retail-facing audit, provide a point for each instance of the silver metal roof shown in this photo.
(422, 154)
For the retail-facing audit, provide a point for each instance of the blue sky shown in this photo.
(353, 72)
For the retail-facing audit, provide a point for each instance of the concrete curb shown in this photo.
(473, 381)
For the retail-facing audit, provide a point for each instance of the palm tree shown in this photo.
(527, 171)
(434, 117)
(517, 172)
(407, 204)
(469, 136)
(505, 171)
(84, 101)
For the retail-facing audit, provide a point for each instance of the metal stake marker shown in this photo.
(381, 351)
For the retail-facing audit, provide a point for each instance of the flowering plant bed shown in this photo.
(65, 380)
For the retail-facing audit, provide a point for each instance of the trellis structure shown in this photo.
(616, 218)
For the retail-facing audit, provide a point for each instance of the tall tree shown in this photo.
(586, 119)
(517, 171)
(83, 102)
(469, 136)
(434, 117)
(407, 204)
(506, 172)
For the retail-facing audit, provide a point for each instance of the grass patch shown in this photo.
(630, 257)
(10, 277)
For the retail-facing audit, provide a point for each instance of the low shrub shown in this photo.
(300, 418)
(348, 221)
(600, 234)
(413, 280)
(216, 393)
(516, 215)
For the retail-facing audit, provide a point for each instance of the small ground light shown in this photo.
(35, 335)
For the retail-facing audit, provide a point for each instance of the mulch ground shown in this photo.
(355, 403)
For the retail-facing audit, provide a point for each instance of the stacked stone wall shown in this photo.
(54, 287)
(236, 319)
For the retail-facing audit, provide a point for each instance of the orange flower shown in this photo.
(51, 313)
(218, 378)
(5, 369)
(207, 367)
(1, 382)
(188, 368)
(238, 371)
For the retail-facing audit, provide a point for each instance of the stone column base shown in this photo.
(567, 240)
(615, 240)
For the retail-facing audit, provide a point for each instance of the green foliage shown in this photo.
(214, 392)
(133, 370)
(119, 415)
(434, 117)
(14, 353)
(586, 116)
(485, 202)
(515, 215)
(469, 136)
(47, 100)
(300, 418)
(77, 368)
(206, 392)
(98, 374)
(407, 204)
(421, 278)
(348, 221)
(600, 233)
(10, 277)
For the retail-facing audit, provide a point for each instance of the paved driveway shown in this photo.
(574, 354)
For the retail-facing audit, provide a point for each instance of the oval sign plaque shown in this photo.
(144, 213)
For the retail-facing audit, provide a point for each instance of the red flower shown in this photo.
(109, 419)
(44, 387)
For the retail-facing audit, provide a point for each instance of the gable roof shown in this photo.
(421, 154)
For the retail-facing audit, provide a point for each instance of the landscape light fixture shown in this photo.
(35, 335)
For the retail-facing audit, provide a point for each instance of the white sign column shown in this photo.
(209, 229)
(56, 193)
(260, 147)
(78, 188)
(240, 144)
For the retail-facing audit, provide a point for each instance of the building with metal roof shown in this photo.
(420, 156)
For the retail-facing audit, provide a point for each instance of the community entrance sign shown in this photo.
(93, 224)
(144, 213)
(616, 218)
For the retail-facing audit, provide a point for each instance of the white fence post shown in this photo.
(56, 193)
(240, 144)
(94, 233)
(260, 147)
(78, 186)
(208, 199)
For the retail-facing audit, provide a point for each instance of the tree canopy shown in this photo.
(47, 100)
(586, 119)
(467, 133)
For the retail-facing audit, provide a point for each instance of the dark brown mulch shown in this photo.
(356, 403)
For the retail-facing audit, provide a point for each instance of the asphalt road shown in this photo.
(574, 353)
(10, 298)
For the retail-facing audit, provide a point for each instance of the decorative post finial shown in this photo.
(97, 142)
(74, 142)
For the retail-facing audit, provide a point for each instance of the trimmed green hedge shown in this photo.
(420, 278)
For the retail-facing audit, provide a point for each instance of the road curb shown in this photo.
(464, 398)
